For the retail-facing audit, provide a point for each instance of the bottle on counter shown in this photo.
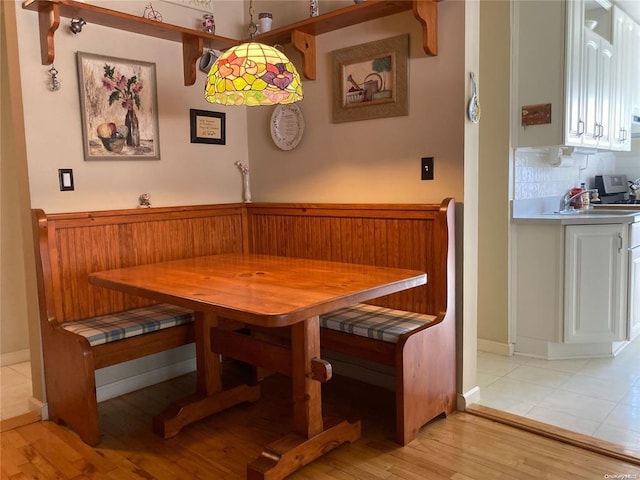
(585, 196)
(576, 198)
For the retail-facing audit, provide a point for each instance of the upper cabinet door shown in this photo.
(625, 65)
(575, 84)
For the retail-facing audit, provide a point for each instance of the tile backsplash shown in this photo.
(542, 173)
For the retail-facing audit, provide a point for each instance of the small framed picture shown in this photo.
(207, 127)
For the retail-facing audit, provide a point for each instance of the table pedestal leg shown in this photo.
(310, 438)
(209, 397)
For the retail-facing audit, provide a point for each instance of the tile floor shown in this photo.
(15, 391)
(597, 397)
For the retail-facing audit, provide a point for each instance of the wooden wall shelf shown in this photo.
(50, 11)
(300, 34)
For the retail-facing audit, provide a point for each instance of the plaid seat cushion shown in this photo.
(121, 325)
(374, 322)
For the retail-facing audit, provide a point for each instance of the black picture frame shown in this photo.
(208, 127)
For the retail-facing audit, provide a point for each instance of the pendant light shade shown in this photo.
(253, 74)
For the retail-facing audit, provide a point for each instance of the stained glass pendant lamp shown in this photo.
(253, 74)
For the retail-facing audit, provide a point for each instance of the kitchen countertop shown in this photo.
(600, 214)
(540, 210)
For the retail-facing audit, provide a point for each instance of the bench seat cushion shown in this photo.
(121, 325)
(375, 322)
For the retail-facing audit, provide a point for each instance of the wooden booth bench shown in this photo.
(85, 328)
(80, 334)
(412, 331)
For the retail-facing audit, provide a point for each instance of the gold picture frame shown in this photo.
(370, 80)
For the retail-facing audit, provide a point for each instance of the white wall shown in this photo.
(375, 160)
(186, 173)
(493, 176)
(535, 177)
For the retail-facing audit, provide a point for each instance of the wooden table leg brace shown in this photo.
(310, 439)
(209, 398)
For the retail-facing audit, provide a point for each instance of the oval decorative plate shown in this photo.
(287, 126)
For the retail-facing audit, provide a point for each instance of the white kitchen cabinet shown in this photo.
(585, 80)
(572, 295)
(625, 34)
(596, 76)
(634, 282)
(595, 284)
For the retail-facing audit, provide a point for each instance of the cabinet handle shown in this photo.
(580, 128)
(620, 242)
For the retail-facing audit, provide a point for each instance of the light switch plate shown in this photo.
(427, 168)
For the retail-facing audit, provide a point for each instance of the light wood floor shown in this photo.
(461, 447)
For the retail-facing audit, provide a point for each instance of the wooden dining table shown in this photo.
(268, 292)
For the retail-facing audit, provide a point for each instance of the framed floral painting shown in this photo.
(119, 107)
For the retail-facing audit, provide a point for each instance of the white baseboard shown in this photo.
(467, 398)
(37, 406)
(146, 379)
(14, 357)
(128, 385)
(499, 348)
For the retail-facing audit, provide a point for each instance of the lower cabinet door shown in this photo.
(634, 292)
(596, 269)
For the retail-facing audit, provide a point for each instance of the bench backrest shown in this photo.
(417, 237)
(69, 246)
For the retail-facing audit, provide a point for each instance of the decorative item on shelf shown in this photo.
(207, 60)
(144, 200)
(151, 13)
(314, 8)
(246, 193)
(209, 23)
(76, 25)
(54, 83)
(253, 74)
(265, 19)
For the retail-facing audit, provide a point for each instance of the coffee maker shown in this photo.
(613, 189)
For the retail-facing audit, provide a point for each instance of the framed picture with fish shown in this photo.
(370, 80)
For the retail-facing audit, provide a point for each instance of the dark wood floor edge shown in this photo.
(556, 433)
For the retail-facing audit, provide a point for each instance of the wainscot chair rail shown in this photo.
(85, 328)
